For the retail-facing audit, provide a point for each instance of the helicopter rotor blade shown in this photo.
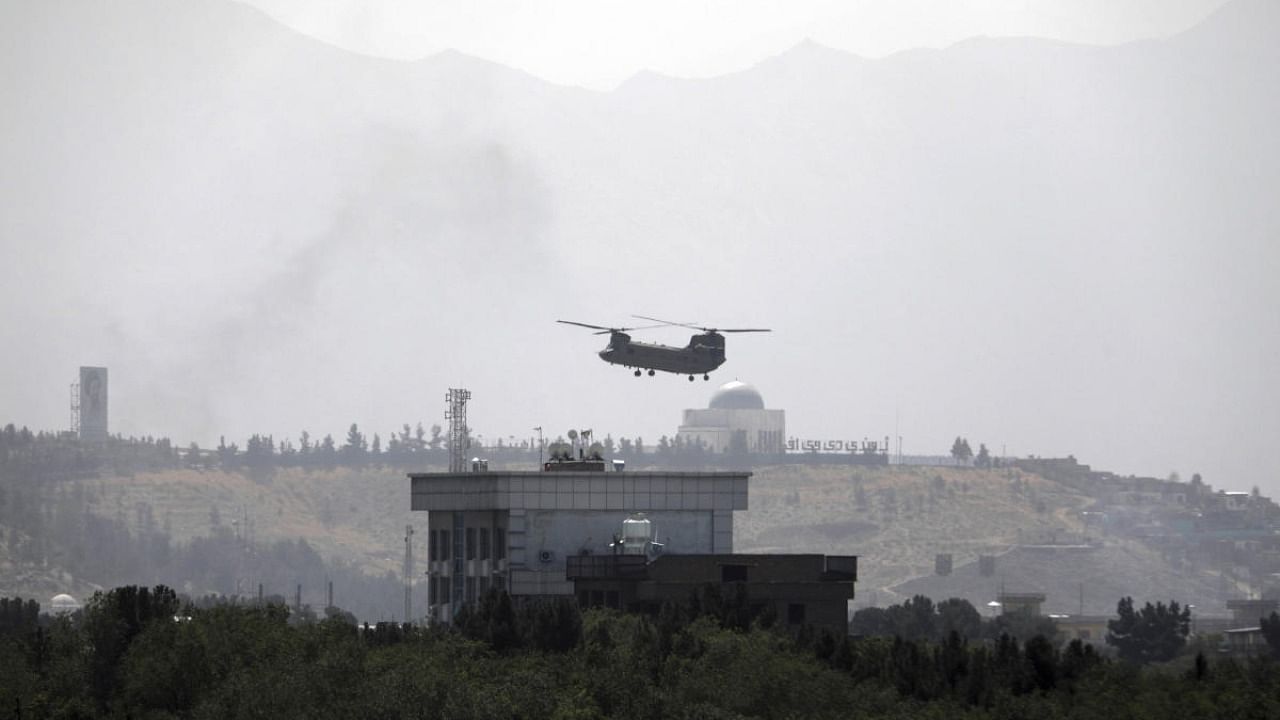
(585, 325)
(602, 330)
(669, 322)
(703, 329)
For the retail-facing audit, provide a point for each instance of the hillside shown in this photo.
(897, 519)
(356, 515)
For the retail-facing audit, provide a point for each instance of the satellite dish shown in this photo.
(573, 434)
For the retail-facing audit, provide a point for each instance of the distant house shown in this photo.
(1020, 602)
(1085, 628)
(1236, 501)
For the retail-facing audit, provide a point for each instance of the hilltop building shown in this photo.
(735, 420)
(89, 405)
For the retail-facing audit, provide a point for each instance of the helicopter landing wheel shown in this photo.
(637, 373)
(650, 373)
(706, 377)
(690, 378)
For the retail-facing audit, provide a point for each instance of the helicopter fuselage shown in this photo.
(704, 353)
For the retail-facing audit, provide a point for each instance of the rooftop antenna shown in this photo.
(457, 417)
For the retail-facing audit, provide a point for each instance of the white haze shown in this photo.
(1049, 248)
(600, 43)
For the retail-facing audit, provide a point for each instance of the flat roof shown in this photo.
(579, 490)
(580, 473)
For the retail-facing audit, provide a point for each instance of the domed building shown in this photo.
(736, 420)
(63, 604)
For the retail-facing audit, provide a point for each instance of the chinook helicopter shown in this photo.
(704, 353)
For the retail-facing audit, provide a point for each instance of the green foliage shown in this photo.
(1153, 634)
(1271, 633)
(920, 619)
(232, 661)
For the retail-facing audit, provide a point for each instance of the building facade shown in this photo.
(810, 590)
(735, 420)
(514, 530)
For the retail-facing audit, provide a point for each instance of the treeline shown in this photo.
(49, 456)
(48, 519)
(919, 618)
(135, 652)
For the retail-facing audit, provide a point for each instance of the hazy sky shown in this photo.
(599, 43)
(1048, 248)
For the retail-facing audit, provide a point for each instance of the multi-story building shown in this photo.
(513, 530)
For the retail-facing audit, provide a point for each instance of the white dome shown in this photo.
(737, 395)
(63, 603)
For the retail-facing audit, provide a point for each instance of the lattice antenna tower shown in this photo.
(75, 409)
(457, 417)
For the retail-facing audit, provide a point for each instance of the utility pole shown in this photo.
(408, 573)
(539, 429)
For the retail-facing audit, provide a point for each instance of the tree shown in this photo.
(983, 460)
(193, 454)
(326, 451)
(1153, 634)
(960, 449)
(112, 620)
(355, 445)
(1271, 633)
(959, 616)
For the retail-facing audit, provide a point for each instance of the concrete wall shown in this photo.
(715, 427)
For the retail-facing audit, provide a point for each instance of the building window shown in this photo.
(471, 589)
(484, 585)
(611, 599)
(733, 573)
(443, 540)
(444, 584)
(471, 543)
(432, 588)
(795, 614)
(499, 583)
(484, 543)
(499, 543)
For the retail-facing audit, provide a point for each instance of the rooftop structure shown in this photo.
(801, 589)
(62, 604)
